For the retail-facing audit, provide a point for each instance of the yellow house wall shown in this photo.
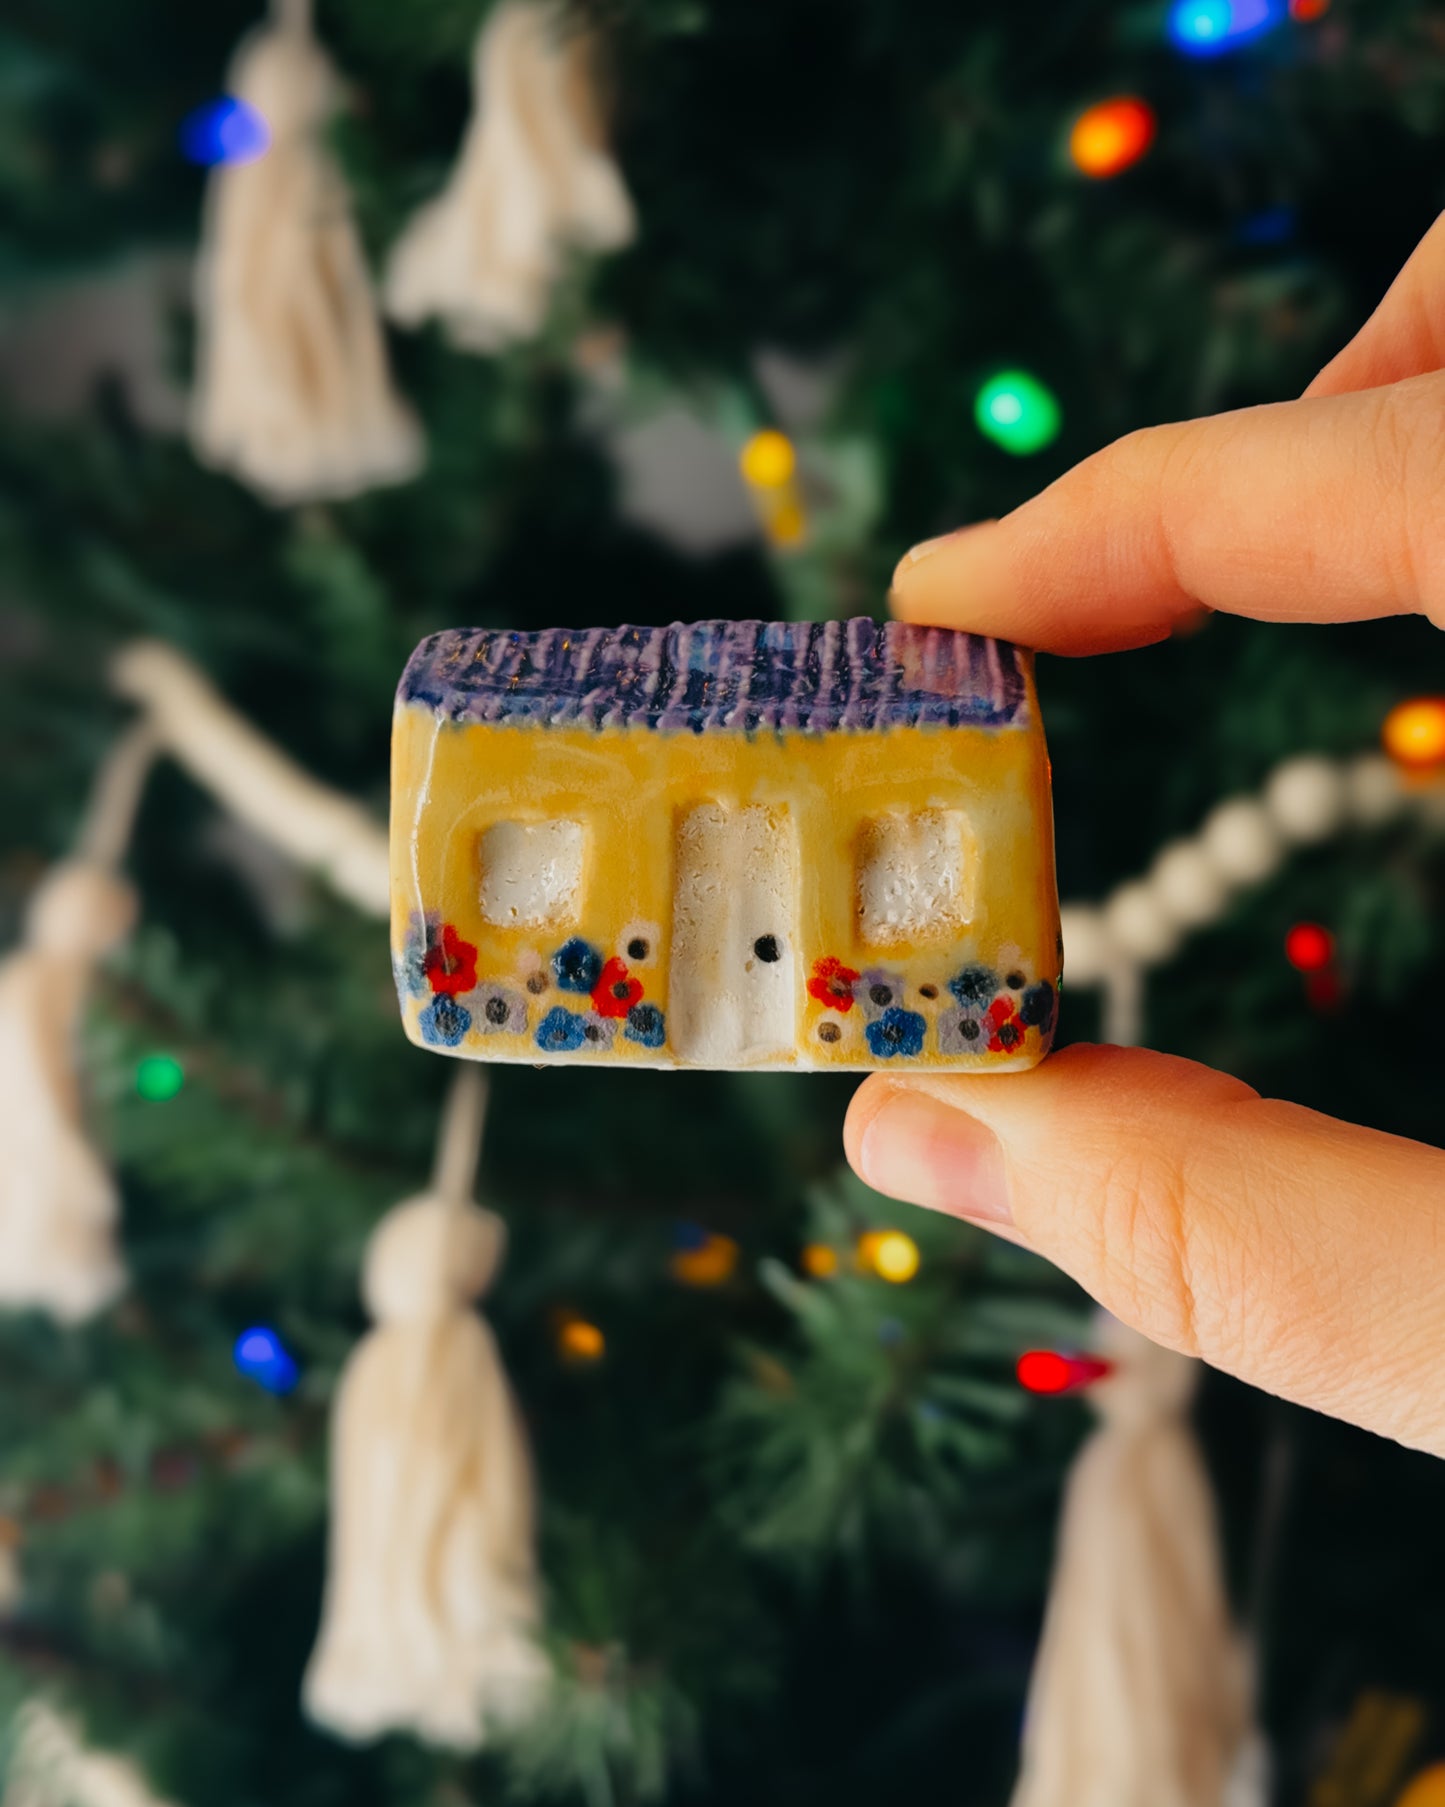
(629, 785)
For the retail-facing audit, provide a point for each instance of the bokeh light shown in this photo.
(1108, 138)
(891, 1254)
(1207, 27)
(1309, 947)
(1414, 732)
(1017, 412)
(261, 1356)
(159, 1077)
(225, 130)
(768, 460)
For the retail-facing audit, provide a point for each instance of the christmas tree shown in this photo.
(864, 274)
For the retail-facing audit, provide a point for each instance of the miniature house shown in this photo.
(722, 845)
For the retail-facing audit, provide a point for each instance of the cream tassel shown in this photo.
(430, 1612)
(58, 1203)
(316, 826)
(51, 1767)
(1140, 1693)
(293, 391)
(532, 177)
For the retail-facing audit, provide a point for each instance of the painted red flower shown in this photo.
(450, 963)
(832, 983)
(1006, 1032)
(616, 991)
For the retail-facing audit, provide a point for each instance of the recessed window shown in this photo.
(916, 872)
(531, 873)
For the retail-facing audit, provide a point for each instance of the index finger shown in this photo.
(1327, 509)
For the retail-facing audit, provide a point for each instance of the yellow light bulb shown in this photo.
(891, 1254)
(768, 460)
(1427, 1790)
(1414, 732)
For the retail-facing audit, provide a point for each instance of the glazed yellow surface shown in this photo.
(630, 785)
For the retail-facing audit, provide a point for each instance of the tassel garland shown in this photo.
(533, 177)
(293, 391)
(430, 1611)
(58, 1203)
(1140, 1693)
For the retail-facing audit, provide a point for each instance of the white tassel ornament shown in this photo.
(293, 391)
(58, 1202)
(532, 178)
(430, 1614)
(1140, 1693)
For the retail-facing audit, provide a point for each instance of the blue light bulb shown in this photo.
(1207, 27)
(225, 130)
(261, 1356)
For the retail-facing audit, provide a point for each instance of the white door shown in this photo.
(732, 996)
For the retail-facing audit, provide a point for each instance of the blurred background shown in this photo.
(696, 308)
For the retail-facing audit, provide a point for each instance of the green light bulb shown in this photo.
(1017, 412)
(158, 1077)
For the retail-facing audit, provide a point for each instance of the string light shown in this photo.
(768, 460)
(890, 1254)
(226, 130)
(1305, 12)
(1017, 412)
(1047, 1371)
(1207, 27)
(1109, 137)
(1414, 732)
(159, 1077)
(820, 1260)
(1426, 1790)
(578, 1341)
(1309, 948)
(261, 1356)
(703, 1257)
(769, 466)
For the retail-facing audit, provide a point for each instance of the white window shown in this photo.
(915, 876)
(531, 873)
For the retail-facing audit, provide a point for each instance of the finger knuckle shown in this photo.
(1409, 454)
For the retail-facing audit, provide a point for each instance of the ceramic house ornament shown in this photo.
(725, 844)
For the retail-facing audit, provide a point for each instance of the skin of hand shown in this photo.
(1305, 1256)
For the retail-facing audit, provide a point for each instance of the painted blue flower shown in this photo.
(1036, 1008)
(444, 1022)
(645, 1024)
(974, 987)
(577, 965)
(561, 1031)
(896, 1032)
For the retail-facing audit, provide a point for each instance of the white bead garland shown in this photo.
(1189, 884)
(1089, 954)
(1307, 798)
(1139, 923)
(1241, 841)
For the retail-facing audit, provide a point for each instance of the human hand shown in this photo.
(1303, 1255)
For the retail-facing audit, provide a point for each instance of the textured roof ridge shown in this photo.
(719, 676)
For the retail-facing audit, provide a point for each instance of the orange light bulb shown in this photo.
(1414, 732)
(1110, 137)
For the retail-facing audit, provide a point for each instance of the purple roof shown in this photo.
(711, 676)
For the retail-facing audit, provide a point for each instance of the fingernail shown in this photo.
(917, 1149)
(926, 548)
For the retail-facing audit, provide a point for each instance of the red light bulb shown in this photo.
(1046, 1371)
(1309, 948)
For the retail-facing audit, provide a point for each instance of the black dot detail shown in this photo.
(1010, 1034)
(1015, 981)
(828, 1032)
(767, 950)
(620, 989)
(637, 948)
(592, 1033)
(496, 1009)
(537, 983)
(968, 1029)
(880, 994)
(928, 991)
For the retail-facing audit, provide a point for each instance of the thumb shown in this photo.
(1303, 1255)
